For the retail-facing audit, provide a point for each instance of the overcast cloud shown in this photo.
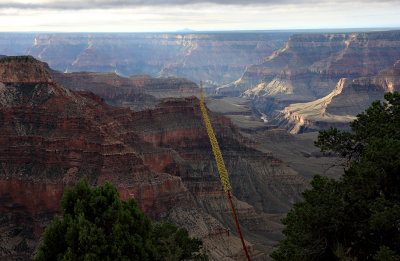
(100, 4)
(200, 15)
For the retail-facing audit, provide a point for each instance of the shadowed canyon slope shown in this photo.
(51, 136)
(216, 58)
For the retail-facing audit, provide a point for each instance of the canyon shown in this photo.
(270, 70)
(124, 108)
(321, 80)
(51, 136)
(310, 65)
(337, 109)
(215, 58)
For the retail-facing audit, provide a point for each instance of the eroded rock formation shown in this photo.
(338, 108)
(216, 58)
(310, 65)
(137, 92)
(51, 136)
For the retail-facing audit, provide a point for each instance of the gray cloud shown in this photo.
(105, 4)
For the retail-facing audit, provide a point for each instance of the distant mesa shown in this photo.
(186, 30)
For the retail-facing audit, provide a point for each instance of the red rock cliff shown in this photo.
(51, 136)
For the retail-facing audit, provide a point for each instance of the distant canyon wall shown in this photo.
(215, 58)
(309, 66)
(339, 108)
(301, 87)
(275, 70)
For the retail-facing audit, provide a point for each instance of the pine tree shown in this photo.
(358, 216)
(97, 225)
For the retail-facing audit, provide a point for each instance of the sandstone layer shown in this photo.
(340, 107)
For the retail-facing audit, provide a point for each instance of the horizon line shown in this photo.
(346, 29)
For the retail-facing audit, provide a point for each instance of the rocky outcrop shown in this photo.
(51, 136)
(137, 92)
(216, 58)
(337, 109)
(310, 65)
(23, 69)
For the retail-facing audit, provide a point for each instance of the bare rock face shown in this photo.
(211, 57)
(310, 65)
(23, 69)
(137, 92)
(261, 183)
(340, 107)
(52, 136)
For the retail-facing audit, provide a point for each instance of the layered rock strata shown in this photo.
(310, 65)
(52, 136)
(216, 58)
(137, 92)
(337, 109)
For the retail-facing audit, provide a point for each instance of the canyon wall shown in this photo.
(310, 65)
(16, 43)
(340, 107)
(137, 92)
(51, 136)
(215, 58)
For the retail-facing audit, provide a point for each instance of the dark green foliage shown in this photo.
(358, 216)
(386, 254)
(175, 244)
(97, 225)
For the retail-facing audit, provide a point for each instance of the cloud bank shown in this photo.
(106, 4)
(200, 15)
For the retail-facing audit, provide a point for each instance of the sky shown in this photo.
(199, 15)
